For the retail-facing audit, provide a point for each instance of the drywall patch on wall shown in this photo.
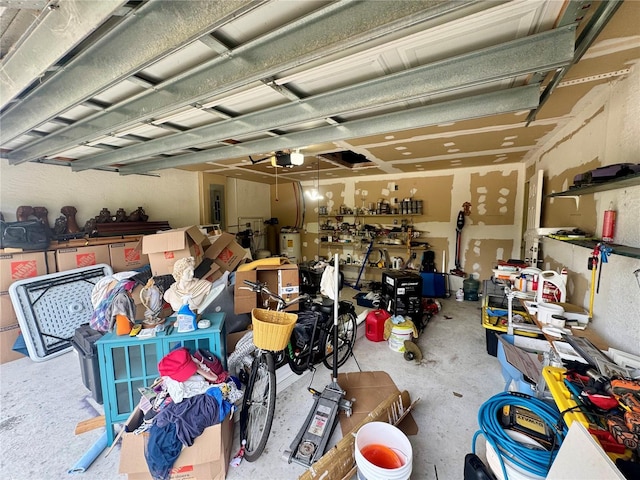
(494, 197)
(484, 254)
(335, 196)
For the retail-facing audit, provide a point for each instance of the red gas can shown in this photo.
(375, 325)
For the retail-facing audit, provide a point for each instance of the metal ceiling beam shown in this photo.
(138, 41)
(332, 29)
(540, 52)
(588, 35)
(61, 29)
(495, 103)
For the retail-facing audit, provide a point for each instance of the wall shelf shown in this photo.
(375, 245)
(622, 250)
(626, 181)
(381, 215)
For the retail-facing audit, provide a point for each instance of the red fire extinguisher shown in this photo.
(608, 224)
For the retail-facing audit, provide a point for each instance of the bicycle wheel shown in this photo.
(347, 329)
(258, 406)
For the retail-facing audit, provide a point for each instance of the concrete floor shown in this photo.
(42, 402)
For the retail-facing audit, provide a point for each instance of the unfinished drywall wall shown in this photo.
(491, 232)
(172, 196)
(604, 130)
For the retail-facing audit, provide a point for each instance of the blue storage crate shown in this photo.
(433, 285)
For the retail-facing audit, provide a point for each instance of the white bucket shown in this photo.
(397, 337)
(385, 435)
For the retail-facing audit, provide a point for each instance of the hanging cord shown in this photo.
(537, 462)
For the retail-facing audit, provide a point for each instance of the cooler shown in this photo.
(374, 324)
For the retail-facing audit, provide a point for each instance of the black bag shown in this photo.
(29, 235)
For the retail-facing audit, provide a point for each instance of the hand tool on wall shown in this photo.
(605, 251)
(593, 266)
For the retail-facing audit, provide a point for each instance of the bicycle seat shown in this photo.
(326, 306)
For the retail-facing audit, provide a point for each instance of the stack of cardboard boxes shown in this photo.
(123, 253)
(221, 253)
(166, 248)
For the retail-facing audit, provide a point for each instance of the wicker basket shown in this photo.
(272, 329)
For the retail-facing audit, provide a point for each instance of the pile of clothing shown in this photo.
(194, 393)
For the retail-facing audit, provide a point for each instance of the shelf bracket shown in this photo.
(575, 197)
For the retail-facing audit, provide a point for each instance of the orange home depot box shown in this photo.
(166, 248)
(70, 258)
(207, 459)
(225, 251)
(18, 266)
(127, 256)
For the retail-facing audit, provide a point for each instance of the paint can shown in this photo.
(399, 333)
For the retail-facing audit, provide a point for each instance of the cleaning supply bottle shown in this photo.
(185, 318)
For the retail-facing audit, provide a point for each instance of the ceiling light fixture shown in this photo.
(283, 159)
(296, 157)
(314, 194)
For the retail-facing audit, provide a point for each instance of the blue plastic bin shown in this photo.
(511, 373)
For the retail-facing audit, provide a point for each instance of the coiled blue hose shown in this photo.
(530, 460)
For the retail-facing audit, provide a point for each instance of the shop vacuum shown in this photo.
(311, 441)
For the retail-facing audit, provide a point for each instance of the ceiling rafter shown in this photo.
(329, 30)
(57, 31)
(514, 99)
(543, 51)
(85, 76)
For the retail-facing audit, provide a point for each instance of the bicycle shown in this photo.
(258, 405)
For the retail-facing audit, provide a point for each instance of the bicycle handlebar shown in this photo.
(259, 287)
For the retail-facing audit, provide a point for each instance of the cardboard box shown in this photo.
(280, 279)
(207, 459)
(7, 339)
(18, 266)
(52, 267)
(166, 248)
(70, 258)
(127, 256)
(8, 315)
(225, 251)
(233, 339)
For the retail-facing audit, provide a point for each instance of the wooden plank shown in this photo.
(90, 424)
